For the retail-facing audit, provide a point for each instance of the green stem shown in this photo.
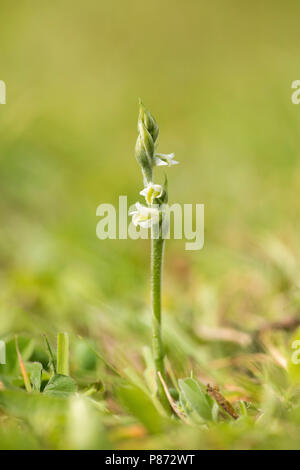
(63, 353)
(157, 249)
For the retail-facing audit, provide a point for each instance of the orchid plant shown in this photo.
(151, 216)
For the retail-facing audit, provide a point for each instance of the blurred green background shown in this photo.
(217, 77)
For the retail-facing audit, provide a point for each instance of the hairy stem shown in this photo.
(156, 271)
(157, 249)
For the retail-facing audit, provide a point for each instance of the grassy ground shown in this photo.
(217, 76)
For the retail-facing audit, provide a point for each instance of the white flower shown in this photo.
(165, 159)
(144, 216)
(152, 191)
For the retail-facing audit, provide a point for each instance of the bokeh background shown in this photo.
(217, 77)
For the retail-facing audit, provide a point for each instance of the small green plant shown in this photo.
(58, 381)
(151, 216)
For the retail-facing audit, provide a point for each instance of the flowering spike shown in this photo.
(152, 216)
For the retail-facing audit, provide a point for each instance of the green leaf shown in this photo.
(32, 406)
(140, 406)
(34, 370)
(194, 400)
(60, 385)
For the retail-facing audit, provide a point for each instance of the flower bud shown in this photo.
(147, 141)
(149, 122)
(143, 159)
